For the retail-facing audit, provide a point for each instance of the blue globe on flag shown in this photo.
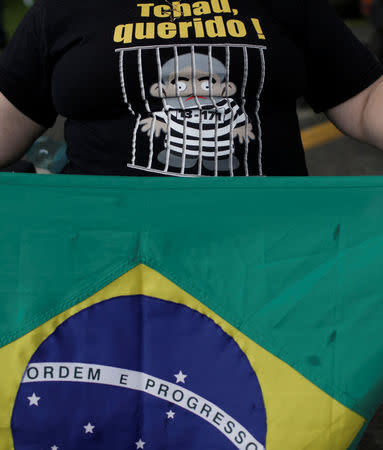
(137, 372)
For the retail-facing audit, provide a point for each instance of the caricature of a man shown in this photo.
(199, 118)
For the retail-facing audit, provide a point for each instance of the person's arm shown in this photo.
(361, 117)
(17, 132)
(26, 102)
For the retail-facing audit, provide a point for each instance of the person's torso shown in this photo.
(176, 88)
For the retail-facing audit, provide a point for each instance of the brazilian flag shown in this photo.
(168, 314)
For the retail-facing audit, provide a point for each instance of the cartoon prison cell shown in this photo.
(200, 121)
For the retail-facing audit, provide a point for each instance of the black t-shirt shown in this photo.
(182, 88)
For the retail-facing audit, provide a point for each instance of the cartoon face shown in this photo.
(183, 86)
(209, 79)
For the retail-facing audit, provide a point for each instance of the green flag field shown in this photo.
(169, 313)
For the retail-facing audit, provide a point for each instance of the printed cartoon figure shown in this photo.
(199, 119)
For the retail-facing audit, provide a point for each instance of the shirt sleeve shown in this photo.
(339, 66)
(25, 78)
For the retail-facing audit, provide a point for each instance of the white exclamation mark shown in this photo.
(258, 28)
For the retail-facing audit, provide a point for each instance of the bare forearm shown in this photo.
(17, 132)
(361, 117)
(372, 117)
(10, 148)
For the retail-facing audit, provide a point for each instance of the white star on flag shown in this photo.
(140, 444)
(170, 414)
(33, 400)
(89, 428)
(54, 448)
(180, 377)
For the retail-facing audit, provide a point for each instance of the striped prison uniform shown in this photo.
(207, 129)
